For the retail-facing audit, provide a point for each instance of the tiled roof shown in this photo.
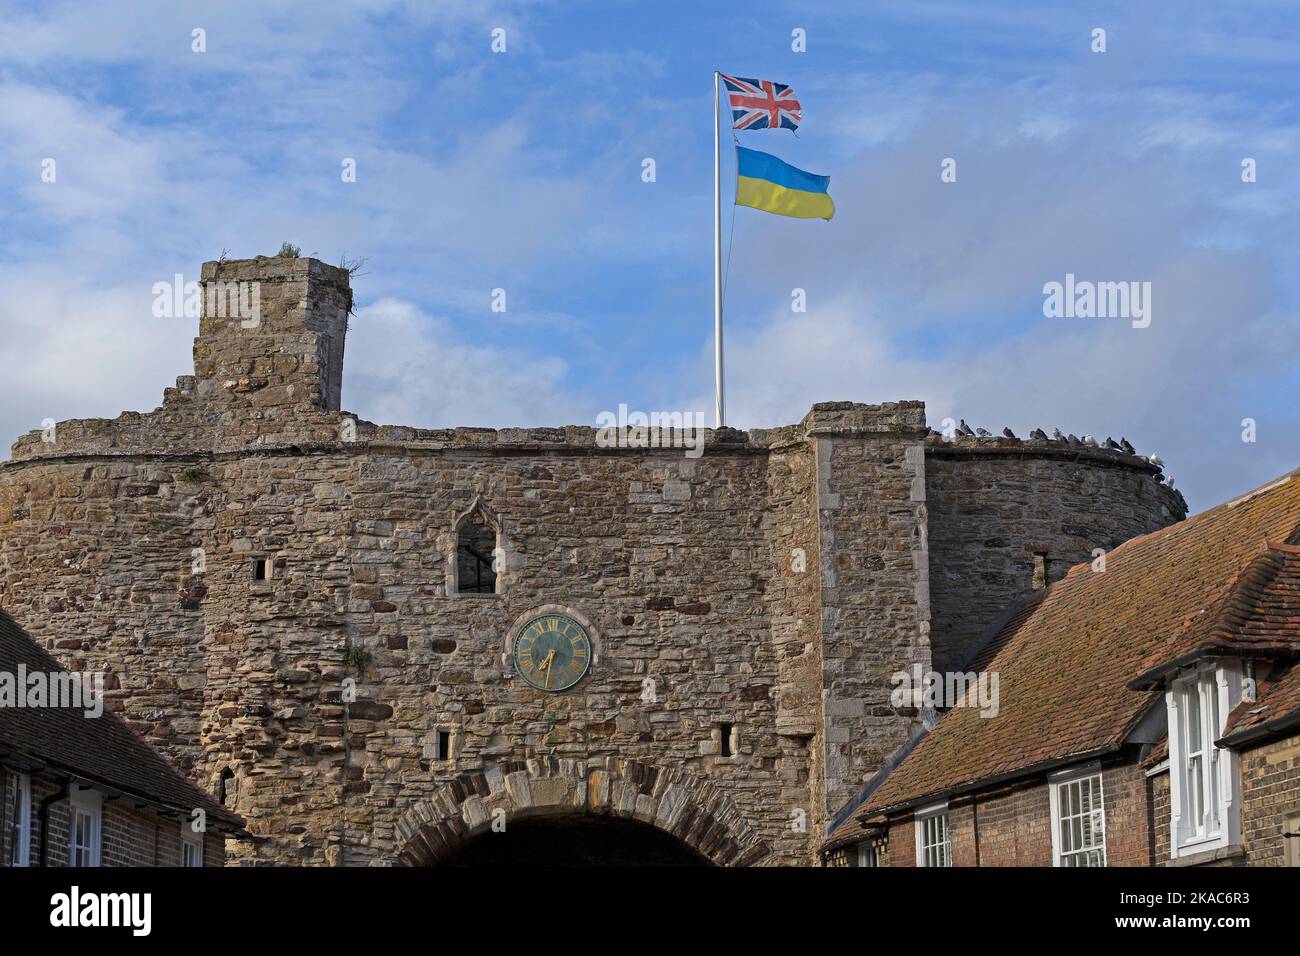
(99, 750)
(1258, 614)
(1278, 707)
(1063, 667)
(855, 828)
(1158, 755)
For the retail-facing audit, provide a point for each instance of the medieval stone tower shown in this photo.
(329, 623)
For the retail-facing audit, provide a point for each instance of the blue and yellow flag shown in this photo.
(767, 183)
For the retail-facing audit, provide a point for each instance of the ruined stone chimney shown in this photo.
(271, 333)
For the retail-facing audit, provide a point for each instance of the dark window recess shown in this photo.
(724, 733)
(261, 569)
(226, 788)
(444, 745)
(476, 542)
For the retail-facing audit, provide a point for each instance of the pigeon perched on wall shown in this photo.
(1056, 435)
(1156, 460)
(983, 433)
(1073, 439)
(964, 429)
(1038, 435)
(1090, 441)
(1128, 449)
(1008, 433)
(1110, 443)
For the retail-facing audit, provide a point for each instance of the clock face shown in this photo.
(552, 652)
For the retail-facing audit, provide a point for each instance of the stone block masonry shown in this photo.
(243, 556)
(997, 505)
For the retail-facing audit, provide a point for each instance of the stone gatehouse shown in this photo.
(388, 645)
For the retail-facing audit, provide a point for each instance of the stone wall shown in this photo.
(875, 614)
(995, 503)
(772, 585)
(225, 671)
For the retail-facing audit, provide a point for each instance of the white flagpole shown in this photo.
(719, 404)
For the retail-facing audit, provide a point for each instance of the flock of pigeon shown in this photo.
(1087, 441)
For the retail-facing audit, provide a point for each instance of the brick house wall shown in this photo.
(1270, 797)
(1011, 826)
(1125, 796)
(1161, 807)
(902, 842)
(128, 836)
(962, 834)
(1015, 827)
(1270, 785)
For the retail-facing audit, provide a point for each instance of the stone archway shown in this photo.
(570, 839)
(677, 802)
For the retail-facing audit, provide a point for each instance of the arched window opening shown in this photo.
(476, 543)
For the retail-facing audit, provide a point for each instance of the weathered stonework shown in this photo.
(996, 503)
(773, 585)
(679, 802)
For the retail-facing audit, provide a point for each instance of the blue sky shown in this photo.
(522, 170)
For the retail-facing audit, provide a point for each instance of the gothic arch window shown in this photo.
(476, 563)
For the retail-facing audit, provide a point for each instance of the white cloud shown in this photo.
(1179, 387)
(101, 170)
(405, 367)
(73, 349)
(916, 290)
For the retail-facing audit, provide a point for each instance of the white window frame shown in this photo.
(1210, 692)
(193, 842)
(20, 854)
(1074, 777)
(91, 803)
(937, 812)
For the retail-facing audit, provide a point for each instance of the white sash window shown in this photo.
(21, 836)
(1204, 780)
(191, 846)
(1078, 820)
(933, 847)
(85, 809)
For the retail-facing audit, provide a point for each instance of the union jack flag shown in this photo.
(762, 104)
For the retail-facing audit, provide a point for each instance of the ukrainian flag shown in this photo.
(766, 183)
